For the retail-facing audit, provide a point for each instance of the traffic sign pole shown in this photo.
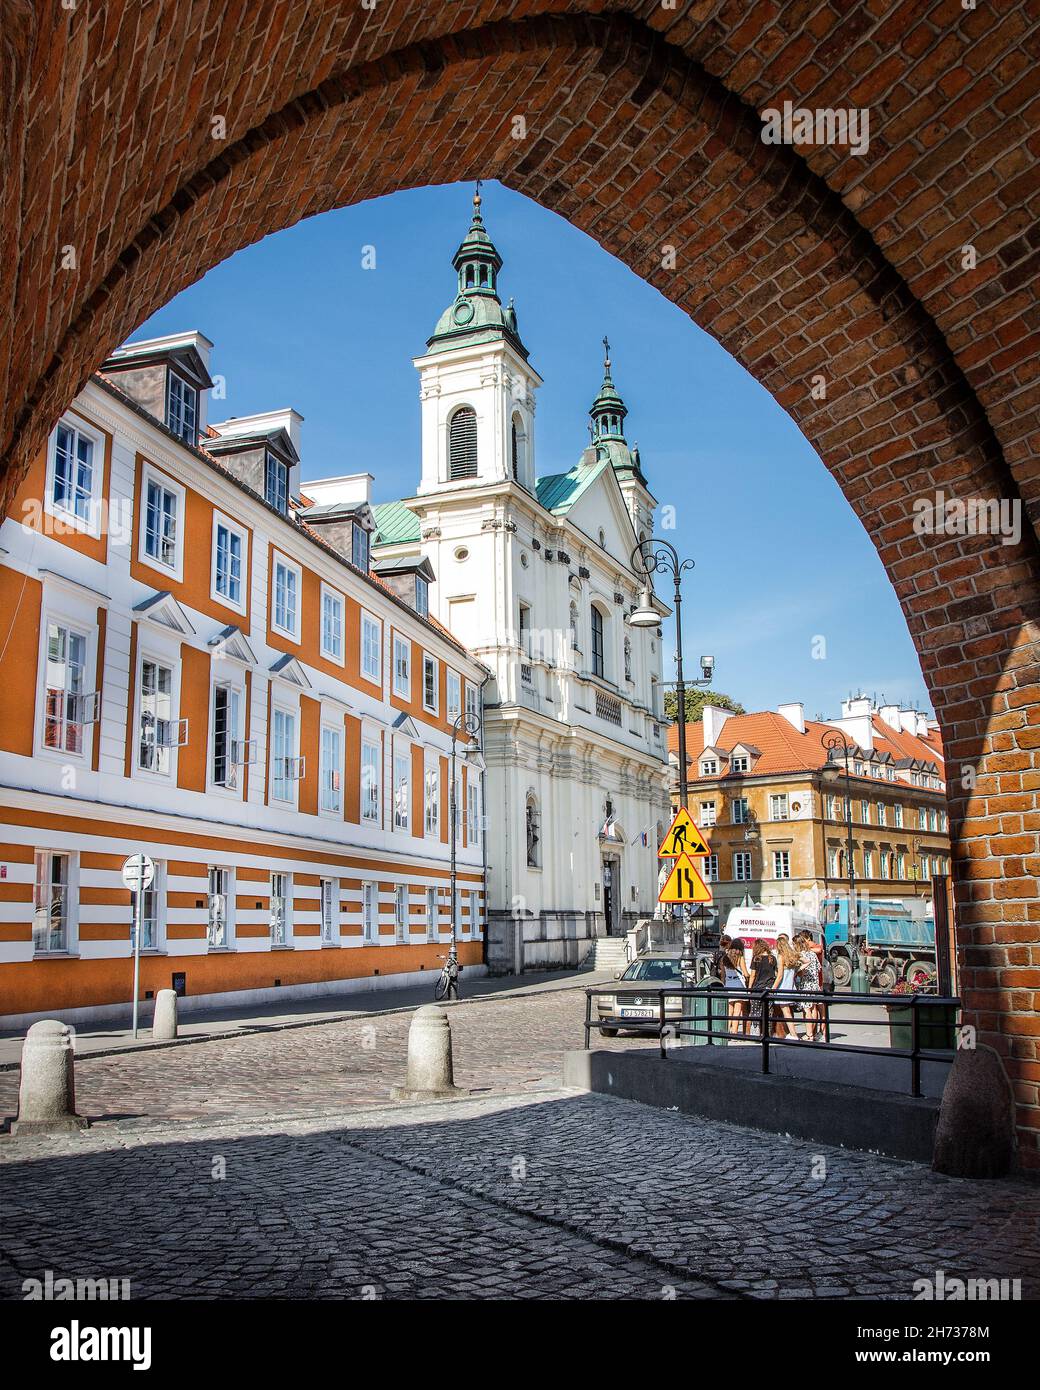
(138, 872)
(138, 915)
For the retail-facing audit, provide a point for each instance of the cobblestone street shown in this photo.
(193, 1187)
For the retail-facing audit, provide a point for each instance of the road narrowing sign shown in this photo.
(685, 884)
(683, 837)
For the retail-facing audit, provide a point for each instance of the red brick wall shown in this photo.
(642, 129)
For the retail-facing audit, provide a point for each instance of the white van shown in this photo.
(752, 923)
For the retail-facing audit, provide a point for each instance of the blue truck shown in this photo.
(899, 945)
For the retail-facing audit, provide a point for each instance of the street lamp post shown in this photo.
(660, 556)
(470, 725)
(832, 742)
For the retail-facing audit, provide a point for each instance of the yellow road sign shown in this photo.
(683, 838)
(684, 884)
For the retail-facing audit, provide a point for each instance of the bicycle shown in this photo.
(448, 981)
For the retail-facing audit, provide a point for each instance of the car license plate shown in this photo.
(638, 1013)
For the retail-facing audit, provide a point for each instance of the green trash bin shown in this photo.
(707, 1010)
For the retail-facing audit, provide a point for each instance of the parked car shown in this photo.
(632, 1003)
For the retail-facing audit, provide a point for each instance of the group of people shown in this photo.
(794, 965)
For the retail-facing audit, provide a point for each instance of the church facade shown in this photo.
(537, 577)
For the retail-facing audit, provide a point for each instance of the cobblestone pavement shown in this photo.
(524, 1191)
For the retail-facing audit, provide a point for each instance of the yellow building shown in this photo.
(776, 821)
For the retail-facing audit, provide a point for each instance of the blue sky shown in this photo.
(780, 557)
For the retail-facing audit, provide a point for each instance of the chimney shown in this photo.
(713, 718)
(348, 490)
(890, 715)
(794, 714)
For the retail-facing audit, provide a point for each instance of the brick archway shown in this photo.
(640, 126)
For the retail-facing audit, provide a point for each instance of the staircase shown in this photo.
(608, 953)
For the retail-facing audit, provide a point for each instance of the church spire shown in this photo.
(477, 260)
(608, 410)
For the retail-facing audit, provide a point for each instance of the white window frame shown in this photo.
(290, 566)
(229, 907)
(781, 860)
(708, 814)
(330, 779)
(151, 474)
(430, 663)
(778, 806)
(222, 522)
(402, 814)
(472, 812)
(283, 472)
(868, 863)
(293, 713)
(740, 802)
(88, 631)
(189, 392)
(402, 688)
(475, 924)
(742, 867)
(157, 893)
(370, 812)
(709, 767)
(453, 695)
(235, 736)
(284, 880)
(431, 806)
(711, 868)
(90, 525)
(433, 914)
(369, 912)
(401, 904)
(328, 907)
(472, 700)
(42, 903)
(741, 763)
(333, 596)
(159, 659)
(368, 623)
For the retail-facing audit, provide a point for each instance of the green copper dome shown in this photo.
(477, 315)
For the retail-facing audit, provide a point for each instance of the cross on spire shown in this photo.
(606, 352)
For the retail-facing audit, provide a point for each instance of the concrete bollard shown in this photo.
(430, 1073)
(164, 1020)
(975, 1133)
(47, 1090)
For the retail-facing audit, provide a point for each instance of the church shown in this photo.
(537, 577)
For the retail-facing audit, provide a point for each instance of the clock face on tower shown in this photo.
(463, 311)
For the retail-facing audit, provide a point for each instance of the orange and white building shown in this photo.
(199, 663)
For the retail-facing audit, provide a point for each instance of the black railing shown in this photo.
(714, 1021)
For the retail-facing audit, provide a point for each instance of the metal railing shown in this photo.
(714, 1021)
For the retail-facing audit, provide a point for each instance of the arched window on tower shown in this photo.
(462, 443)
(515, 447)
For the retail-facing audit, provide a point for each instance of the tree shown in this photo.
(695, 702)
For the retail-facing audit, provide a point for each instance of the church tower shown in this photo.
(607, 414)
(476, 384)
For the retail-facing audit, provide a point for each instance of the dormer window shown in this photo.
(709, 767)
(276, 484)
(738, 763)
(422, 596)
(182, 408)
(359, 547)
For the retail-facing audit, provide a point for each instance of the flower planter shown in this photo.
(936, 1026)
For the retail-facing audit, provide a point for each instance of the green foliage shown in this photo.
(695, 702)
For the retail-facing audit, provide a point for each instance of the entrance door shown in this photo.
(609, 893)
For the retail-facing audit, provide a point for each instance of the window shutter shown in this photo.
(462, 444)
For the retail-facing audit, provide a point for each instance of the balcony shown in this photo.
(608, 708)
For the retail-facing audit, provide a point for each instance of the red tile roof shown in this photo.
(784, 749)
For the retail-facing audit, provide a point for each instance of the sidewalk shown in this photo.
(101, 1040)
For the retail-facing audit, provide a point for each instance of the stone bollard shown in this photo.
(47, 1091)
(975, 1134)
(430, 1074)
(164, 1020)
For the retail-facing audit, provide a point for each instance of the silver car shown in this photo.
(632, 1003)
